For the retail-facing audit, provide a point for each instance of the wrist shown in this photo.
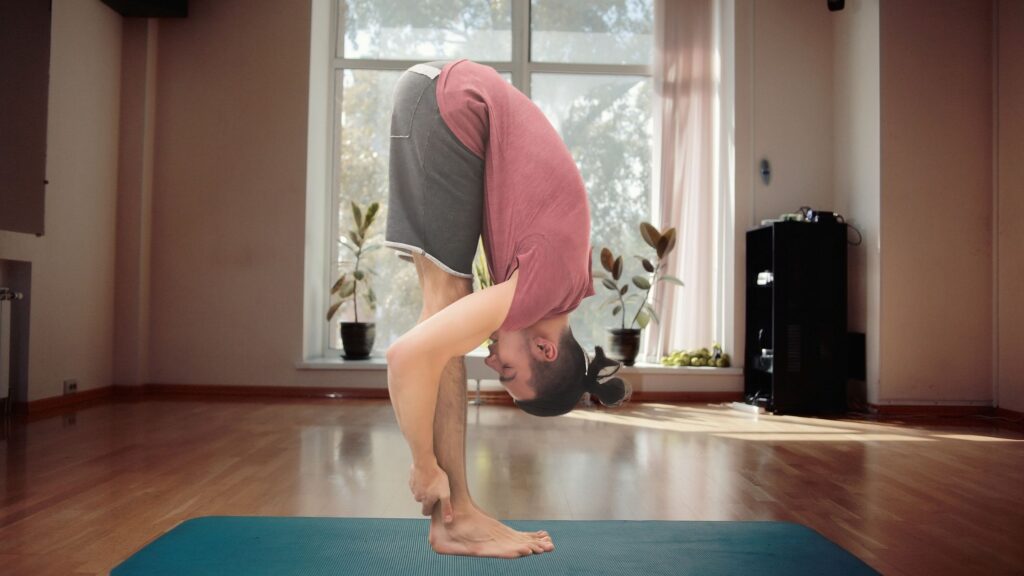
(424, 461)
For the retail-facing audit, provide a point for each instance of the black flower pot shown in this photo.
(623, 344)
(357, 339)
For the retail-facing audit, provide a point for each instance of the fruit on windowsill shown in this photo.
(702, 357)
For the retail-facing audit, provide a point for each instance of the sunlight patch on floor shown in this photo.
(976, 438)
(726, 423)
(847, 437)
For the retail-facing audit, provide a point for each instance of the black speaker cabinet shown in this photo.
(796, 317)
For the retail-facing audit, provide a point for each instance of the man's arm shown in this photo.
(415, 363)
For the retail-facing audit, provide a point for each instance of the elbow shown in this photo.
(394, 353)
(397, 357)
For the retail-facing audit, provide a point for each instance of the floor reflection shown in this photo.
(97, 485)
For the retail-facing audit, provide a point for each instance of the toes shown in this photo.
(516, 553)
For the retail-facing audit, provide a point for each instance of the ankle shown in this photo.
(460, 514)
(463, 505)
(464, 514)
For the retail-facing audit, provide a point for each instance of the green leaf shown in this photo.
(617, 268)
(355, 238)
(607, 260)
(371, 213)
(609, 284)
(624, 288)
(613, 298)
(650, 309)
(334, 308)
(642, 319)
(650, 234)
(359, 274)
(372, 248)
(672, 279)
(357, 215)
(347, 289)
(347, 245)
(616, 310)
(371, 296)
(598, 274)
(641, 282)
(647, 265)
(337, 284)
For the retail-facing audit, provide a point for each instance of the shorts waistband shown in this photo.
(426, 70)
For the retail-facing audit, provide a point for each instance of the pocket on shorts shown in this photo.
(408, 93)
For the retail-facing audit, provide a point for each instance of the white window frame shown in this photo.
(317, 338)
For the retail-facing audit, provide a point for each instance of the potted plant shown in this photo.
(356, 337)
(624, 343)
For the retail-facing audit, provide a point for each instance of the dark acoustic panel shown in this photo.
(24, 93)
(149, 8)
(796, 359)
(856, 344)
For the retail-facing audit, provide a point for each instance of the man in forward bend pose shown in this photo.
(471, 155)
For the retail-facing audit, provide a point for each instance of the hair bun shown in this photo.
(609, 391)
(612, 392)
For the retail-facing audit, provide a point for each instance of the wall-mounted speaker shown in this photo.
(836, 5)
(149, 8)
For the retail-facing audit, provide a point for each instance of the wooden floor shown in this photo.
(83, 491)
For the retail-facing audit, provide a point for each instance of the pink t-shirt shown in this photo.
(536, 212)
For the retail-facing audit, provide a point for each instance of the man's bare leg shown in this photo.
(473, 532)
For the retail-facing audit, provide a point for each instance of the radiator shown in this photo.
(6, 296)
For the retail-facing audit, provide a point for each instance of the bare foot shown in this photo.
(484, 517)
(476, 534)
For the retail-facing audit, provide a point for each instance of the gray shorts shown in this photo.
(436, 185)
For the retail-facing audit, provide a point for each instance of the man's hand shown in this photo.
(429, 486)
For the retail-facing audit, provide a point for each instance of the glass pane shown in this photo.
(427, 29)
(606, 123)
(362, 107)
(592, 32)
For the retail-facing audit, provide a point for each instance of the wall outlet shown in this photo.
(70, 386)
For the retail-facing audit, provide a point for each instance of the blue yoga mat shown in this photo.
(286, 546)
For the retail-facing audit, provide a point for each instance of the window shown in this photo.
(590, 72)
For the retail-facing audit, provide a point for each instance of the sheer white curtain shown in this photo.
(694, 174)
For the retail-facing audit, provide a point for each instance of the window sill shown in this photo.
(476, 368)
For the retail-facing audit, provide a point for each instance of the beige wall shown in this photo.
(856, 166)
(936, 201)
(898, 96)
(228, 167)
(783, 99)
(134, 200)
(229, 197)
(792, 107)
(743, 207)
(71, 325)
(1010, 264)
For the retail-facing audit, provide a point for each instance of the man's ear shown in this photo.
(546, 348)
